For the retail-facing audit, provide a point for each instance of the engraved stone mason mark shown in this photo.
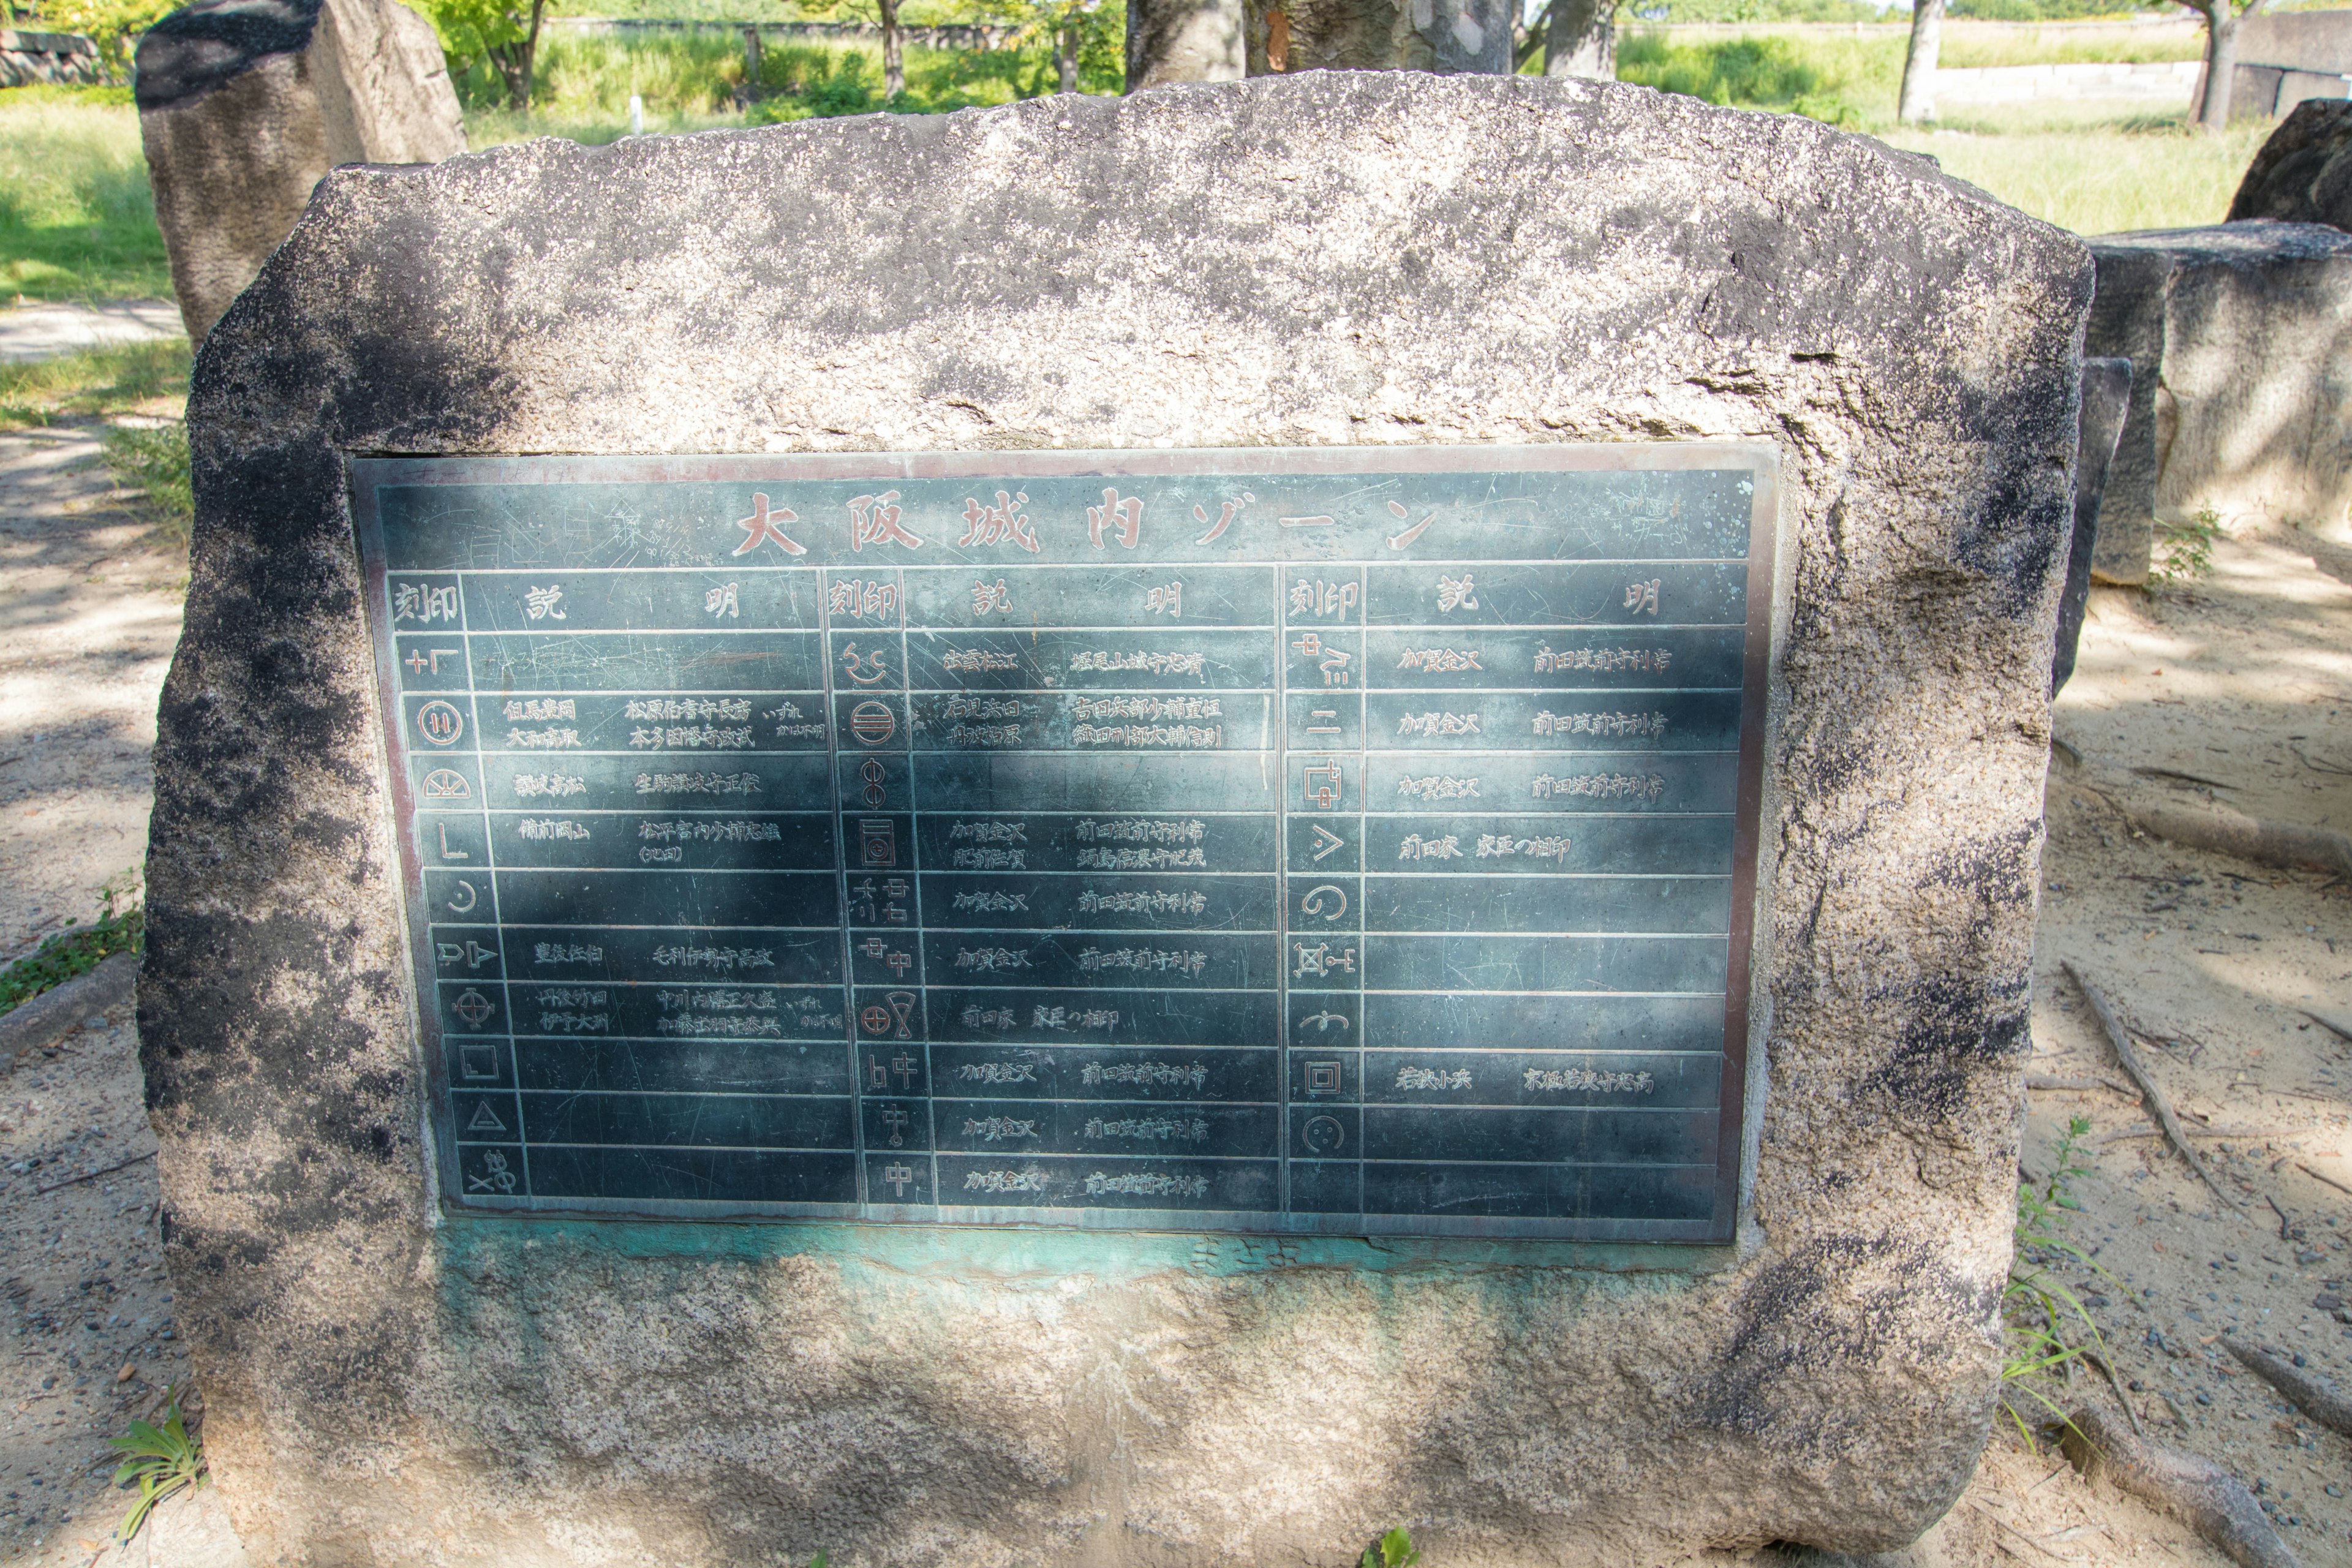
(1326, 840)
(1325, 1021)
(874, 793)
(1320, 961)
(1334, 661)
(1323, 1136)
(440, 723)
(895, 1118)
(1323, 902)
(873, 723)
(1321, 783)
(1323, 1078)
(494, 1176)
(472, 1007)
(865, 669)
(899, 1177)
(463, 901)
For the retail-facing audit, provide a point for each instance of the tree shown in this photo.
(2222, 19)
(505, 33)
(1581, 39)
(1182, 40)
(1917, 102)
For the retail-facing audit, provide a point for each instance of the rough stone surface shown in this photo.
(244, 104)
(2106, 398)
(1341, 257)
(2240, 342)
(2303, 173)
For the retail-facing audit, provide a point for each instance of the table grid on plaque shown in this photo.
(1550, 777)
(1103, 954)
(693, 1049)
(1343, 884)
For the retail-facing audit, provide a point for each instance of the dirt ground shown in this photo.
(2237, 688)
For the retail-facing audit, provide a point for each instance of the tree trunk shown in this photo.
(1443, 36)
(2221, 65)
(894, 62)
(1919, 99)
(1582, 41)
(1066, 54)
(1182, 40)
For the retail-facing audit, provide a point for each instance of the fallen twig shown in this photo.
(2045, 1080)
(2113, 1382)
(2339, 1029)
(2226, 1130)
(2315, 1396)
(2215, 1503)
(2185, 778)
(2226, 831)
(2320, 1175)
(2121, 1040)
(2278, 1211)
(93, 1175)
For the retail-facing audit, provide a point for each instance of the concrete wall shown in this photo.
(29, 57)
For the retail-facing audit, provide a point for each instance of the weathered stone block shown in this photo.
(1336, 258)
(244, 104)
(2238, 339)
(2106, 399)
(2302, 174)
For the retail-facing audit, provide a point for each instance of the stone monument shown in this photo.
(1314, 802)
(2302, 174)
(2238, 338)
(244, 104)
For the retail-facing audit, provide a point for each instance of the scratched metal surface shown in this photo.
(1354, 842)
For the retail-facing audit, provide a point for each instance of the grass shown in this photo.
(76, 218)
(121, 926)
(128, 378)
(693, 81)
(2091, 174)
(76, 221)
(2047, 1329)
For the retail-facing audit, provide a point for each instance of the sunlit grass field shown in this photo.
(76, 219)
(2094, 175)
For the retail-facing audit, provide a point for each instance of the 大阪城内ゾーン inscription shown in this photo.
(1350, 840)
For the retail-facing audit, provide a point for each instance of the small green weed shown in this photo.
(154, 461)
(121, 926)
(1394, 1550)
(2037, 1311)
(2185, 550)
(159, 1462)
